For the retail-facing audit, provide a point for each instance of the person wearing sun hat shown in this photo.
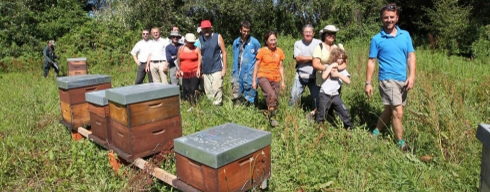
(320, 58)
(213, 67)
(190, 68)
(171, 54)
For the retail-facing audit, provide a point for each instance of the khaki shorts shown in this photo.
(393, 92)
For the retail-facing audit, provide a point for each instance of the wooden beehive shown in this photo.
(77, 66)
(143, 119)
(229, 157)
(98, 107)
(72, 89)
(483, 134)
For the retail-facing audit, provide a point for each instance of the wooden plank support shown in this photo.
(141, 163)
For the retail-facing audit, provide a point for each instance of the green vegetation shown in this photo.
(449, 100)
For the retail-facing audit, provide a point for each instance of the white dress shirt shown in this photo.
(142, 48)
(157, 49)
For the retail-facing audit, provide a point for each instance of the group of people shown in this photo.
(321, 65)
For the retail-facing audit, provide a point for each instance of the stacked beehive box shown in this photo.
(98, 107)
(72, 89)
(77, 66)
(229, 157)
(483, 134)
(143, 119)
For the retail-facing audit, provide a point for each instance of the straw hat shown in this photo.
(329, 28)
(189, 37)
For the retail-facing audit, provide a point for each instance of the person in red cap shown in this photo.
(213, 64)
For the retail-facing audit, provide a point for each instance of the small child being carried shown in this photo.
(329, 91)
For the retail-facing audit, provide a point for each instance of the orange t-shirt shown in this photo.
(269, 63)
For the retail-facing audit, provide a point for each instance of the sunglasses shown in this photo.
(145, 33)
(389, 8)
(174, 37)
(331, 33)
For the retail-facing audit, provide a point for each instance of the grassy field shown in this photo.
(450, 98)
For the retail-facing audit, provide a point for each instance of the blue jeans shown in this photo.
(299, 87)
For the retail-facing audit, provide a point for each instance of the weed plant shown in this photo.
(450, 98)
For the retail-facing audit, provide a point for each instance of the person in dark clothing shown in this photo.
(49, 59)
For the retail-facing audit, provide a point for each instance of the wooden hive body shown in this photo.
(144, 119)
(77, 66)
(225, 158)
(73, 105)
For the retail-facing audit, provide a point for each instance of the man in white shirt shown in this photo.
(157, 61)
(140, 55)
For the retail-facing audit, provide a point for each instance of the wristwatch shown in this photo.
(367, 83)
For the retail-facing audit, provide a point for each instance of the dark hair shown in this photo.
(389, 7)
(324, 35)
(268, 34)
(245, 24)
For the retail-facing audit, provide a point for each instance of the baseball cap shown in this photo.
(205, 24)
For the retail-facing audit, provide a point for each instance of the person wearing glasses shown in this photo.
(171, 53)
(393, 49)
(140, 53)
(321, 56)
(157, 61)
(305, 76)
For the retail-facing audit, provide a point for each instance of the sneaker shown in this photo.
(274, 123)
(375, 133)
(189, 110)
(405, 148)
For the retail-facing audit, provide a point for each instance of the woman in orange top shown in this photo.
(269, 70)
(190, 59)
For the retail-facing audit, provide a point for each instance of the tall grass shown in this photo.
(449, 99)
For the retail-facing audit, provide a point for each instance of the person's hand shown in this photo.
(223, 72)
(147, 68)
(333, 65)
(198, 73)
(334, 73)
(368, 89)
(254, 85)
(165, 67)
(409, 83)
(283, 86)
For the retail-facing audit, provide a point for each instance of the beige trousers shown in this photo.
(158, 71)
(213, 85)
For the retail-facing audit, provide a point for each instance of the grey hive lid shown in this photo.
(143, 92)
(77, 59)
(483, 134)
(221, 145)
(97, 97)
(71, 82)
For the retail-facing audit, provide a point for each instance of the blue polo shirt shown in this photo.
(392, 54)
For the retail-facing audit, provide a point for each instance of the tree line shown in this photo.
(458, 27)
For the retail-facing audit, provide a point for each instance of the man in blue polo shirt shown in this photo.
(394, 50)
